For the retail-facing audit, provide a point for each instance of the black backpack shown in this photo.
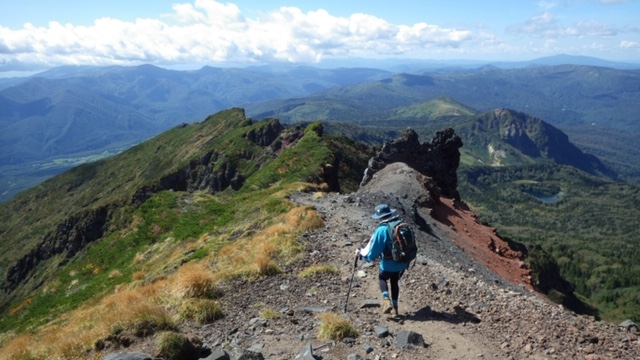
(403, 246)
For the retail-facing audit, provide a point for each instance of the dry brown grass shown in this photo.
(318, 195)
(17, 308)
(18, 348)
(143, 310)
(138, 259)
(73, 335)
(194, 280)
(262, 253)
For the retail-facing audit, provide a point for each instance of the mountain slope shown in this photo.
(48, 225)
(148, 96)
(505, 136)
(586, 223)
(224, 225)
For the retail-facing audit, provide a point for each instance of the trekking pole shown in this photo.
(355, 264)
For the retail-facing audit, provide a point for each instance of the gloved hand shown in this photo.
(358, 254)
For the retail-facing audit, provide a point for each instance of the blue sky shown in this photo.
(38, 34)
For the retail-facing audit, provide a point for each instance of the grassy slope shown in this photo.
(112, 182)
(28, 217)
(248, 233)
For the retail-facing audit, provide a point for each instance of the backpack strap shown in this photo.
(391, 225)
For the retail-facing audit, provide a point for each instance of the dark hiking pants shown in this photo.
(393, 278)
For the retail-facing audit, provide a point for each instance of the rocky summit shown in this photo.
(468, 296)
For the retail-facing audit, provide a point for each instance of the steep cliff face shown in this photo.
(216, 170)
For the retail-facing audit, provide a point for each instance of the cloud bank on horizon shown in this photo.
(212, 32)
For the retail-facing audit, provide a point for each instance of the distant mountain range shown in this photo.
(69, 115)
(74, 110)
(500, 137)
(420, 65)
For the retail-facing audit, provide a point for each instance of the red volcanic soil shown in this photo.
(482, 242)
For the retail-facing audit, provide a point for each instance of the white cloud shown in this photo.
(630, 45)
(207, 31)
(546, 25)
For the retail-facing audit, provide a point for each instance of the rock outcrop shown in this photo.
(68, 238)
(214, 171)
(438, 159)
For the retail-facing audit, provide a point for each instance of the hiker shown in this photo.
(390, 270)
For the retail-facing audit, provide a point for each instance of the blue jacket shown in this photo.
(380, 240)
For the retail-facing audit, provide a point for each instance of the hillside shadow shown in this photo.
(459, 316)
(442, 213)
(423, 225)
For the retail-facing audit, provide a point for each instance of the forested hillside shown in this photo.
(588, 224)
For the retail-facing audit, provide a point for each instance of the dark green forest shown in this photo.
(589, 225)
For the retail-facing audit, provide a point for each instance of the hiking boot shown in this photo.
(394, 311)
(386, 306)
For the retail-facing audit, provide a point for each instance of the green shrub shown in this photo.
(145, 323)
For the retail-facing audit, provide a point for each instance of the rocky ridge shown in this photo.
(462, 300)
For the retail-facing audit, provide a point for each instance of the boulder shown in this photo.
(409, 340)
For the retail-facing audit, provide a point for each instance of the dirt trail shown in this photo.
(469, 295)
(427, 295)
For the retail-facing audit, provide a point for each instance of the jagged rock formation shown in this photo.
(266, 135)
(438, 159)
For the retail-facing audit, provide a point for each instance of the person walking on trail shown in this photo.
(380, 246)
